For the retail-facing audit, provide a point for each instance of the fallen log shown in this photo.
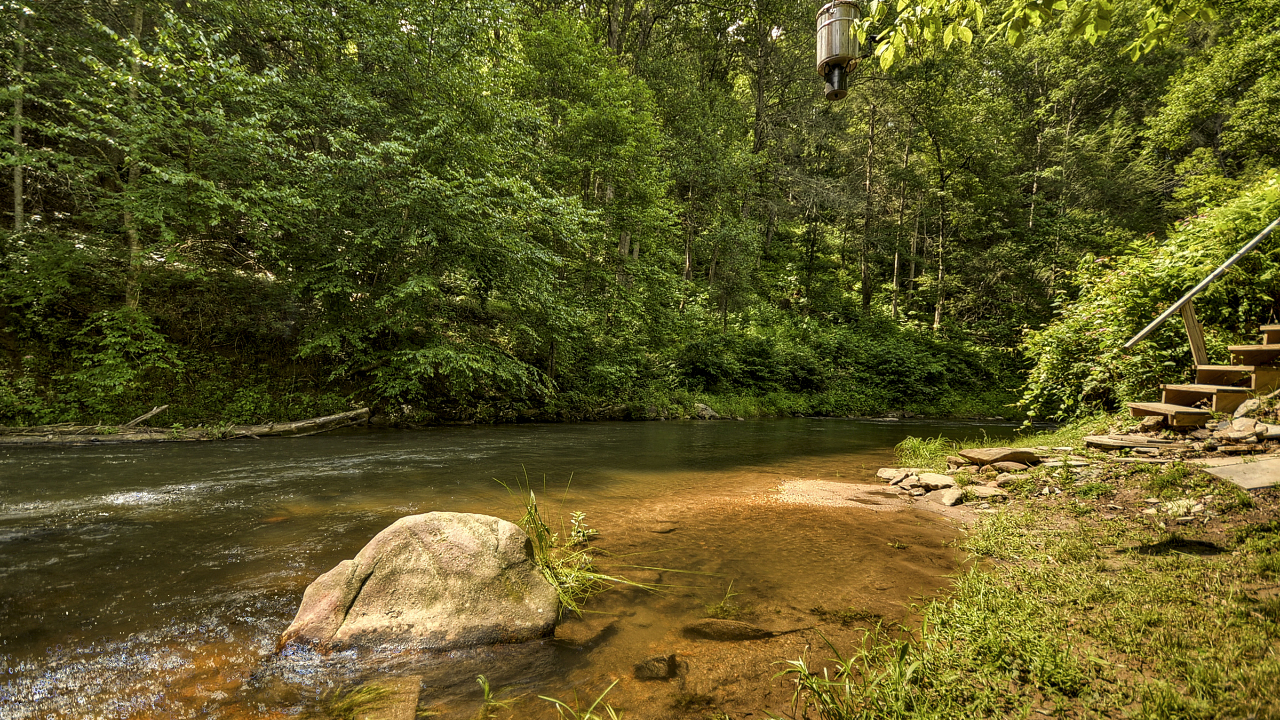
(70, 434)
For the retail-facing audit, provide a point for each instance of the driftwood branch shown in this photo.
(145, 416)
(69, 434)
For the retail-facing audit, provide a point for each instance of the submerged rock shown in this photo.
(430, 582)
(658, 667)
(712, 629)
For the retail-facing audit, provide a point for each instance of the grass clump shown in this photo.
(597, 710)
(349, 704)
(568, 564)
(726, 608)
(925, 452)
(1092, 490)
(848, 616)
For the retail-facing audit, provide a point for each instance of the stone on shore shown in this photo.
(1005, 466)
(430, 582)
(949, 496)
(936, 481)
(1247, 408)
(991, 456)
(704, 412)
(985, 491)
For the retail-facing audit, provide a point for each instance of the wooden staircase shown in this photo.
(1220, 388)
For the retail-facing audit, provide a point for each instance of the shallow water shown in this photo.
(153, 581)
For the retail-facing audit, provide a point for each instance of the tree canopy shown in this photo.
(267, 209)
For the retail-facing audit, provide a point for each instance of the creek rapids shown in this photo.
(154, 581)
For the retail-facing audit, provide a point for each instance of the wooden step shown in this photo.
(1270, 334)
(1259, 379)
(1239, 375)
(1174, 415)
(1254, 354)
(1222, 398)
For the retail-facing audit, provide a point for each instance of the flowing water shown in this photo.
(154, 581)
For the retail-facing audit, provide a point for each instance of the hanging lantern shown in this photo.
(837, 45)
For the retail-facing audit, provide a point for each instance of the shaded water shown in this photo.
(153, 581)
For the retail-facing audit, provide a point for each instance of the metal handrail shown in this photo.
(1203, 284)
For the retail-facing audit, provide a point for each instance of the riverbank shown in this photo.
(1121, 589)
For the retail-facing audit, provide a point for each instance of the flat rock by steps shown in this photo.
(991, 456)
(1248, 475)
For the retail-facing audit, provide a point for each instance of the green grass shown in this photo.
(932, 452)
(726, 608)
(348, 704)
(1074, 615)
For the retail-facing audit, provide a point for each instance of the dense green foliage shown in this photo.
(255, 209)
(1080, 362)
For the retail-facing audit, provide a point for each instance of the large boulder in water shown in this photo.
(430, 582)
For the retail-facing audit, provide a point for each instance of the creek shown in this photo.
(154, 581)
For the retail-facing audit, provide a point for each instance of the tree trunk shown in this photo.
(19, 212)
(132, 285)
(942, 230)
(868, 208)
(688, 254)
(915, 251)
(902, 212)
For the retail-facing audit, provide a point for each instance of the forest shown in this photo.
(457, 211)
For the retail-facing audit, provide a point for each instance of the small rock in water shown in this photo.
(658, 667)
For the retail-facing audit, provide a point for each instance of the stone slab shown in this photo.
(1249, 475)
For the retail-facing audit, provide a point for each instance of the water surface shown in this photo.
(151, 581)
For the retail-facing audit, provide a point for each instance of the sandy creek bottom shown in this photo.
(182, 618)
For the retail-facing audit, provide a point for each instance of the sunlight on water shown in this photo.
(154, 581)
